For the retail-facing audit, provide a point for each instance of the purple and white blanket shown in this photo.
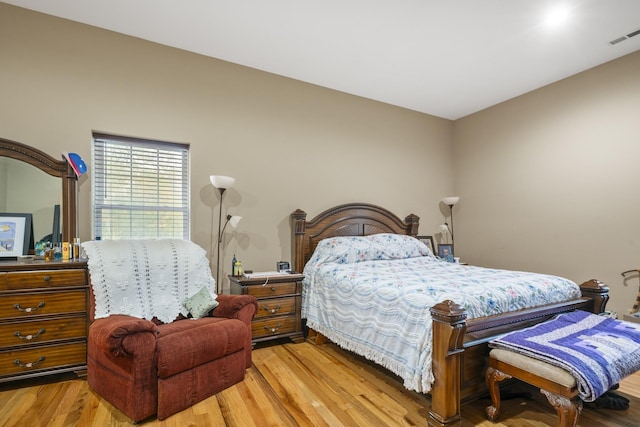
(598, 351)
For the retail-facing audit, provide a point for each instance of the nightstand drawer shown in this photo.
(45, 279)
(276, 307)
(272, 289)
(275, 326)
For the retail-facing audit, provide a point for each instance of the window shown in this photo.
(140, 188)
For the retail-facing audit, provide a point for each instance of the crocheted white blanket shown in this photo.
(146, 278)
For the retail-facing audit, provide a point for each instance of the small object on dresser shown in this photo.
(49, 252)
(66, 251)
(25, 259)
(40, 247)
(57, 250)
(76, 248)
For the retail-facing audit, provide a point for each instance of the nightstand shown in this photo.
(279, 301)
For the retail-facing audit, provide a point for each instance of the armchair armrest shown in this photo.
(112, 334)
(242, 307)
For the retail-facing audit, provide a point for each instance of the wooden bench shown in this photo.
(558, 385)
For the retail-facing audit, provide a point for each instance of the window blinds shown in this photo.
(140, 188)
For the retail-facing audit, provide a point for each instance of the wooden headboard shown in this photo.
(351, 219)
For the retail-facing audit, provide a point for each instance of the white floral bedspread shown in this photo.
(372, 294)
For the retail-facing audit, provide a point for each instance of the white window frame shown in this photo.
(140, 188)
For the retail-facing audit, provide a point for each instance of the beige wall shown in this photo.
(550, 181)
(288, 144)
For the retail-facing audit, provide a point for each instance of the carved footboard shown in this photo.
(460, 347)
(460, 350)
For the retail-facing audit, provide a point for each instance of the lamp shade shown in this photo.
(222, 182)
(234, 220)
(450, 201)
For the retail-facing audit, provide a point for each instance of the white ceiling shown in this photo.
(448, 58)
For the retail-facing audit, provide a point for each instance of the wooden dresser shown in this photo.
(279, 304)
(43, 318)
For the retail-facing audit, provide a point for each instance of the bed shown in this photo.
(455, 341)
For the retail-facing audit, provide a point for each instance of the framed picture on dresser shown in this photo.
(16, 234)
(428, 240)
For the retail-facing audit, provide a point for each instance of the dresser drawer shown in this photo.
(29, 360)
(44, 279)
(30, 332)
(41, 303)
(273, 326)
(276, 307)
(272, 290)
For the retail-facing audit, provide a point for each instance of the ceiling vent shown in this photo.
(623, 38)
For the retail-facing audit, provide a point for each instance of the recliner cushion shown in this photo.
(185, 344)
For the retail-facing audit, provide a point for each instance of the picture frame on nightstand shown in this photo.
(428, 240)
(445, 251)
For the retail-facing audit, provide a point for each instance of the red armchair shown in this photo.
(145, 368)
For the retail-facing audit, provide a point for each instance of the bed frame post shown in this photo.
(413, 222)
(598, 292)
(299, 218)
(449, 327)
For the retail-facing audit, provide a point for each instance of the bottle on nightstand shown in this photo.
(238, 269)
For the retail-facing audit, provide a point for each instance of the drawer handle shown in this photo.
(273, 310)
(47, 278)
(29, 309)
(273, 289)
(273, 330)
(30, 364)
(29, 337)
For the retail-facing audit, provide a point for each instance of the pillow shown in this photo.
(383, 246)
(201, 303)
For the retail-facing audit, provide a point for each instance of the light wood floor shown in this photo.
(296, 385)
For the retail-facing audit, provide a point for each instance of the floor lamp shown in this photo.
(222, 183)
(450, 201)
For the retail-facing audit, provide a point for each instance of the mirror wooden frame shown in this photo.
(57, 168)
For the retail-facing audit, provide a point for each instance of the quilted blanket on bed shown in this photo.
(371, 295)
(598, 351)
